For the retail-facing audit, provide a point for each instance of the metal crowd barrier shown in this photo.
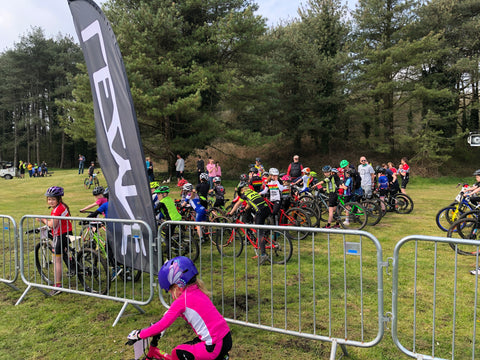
(435, 298)
(331, 289)
(87, 265)
(8, 252)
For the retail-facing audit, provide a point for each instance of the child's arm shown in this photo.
(88, 207)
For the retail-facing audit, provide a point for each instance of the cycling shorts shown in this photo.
(201, 214)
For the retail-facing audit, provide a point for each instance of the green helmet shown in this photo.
(343, 163)
(162, 190)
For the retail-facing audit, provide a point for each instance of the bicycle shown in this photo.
(229, 241)
(142, 345)
(90, 268)
(87, 183)
(291, 217)
(399, 202)
(181, 242)
(459, 208)
(351, 215)
(93, 237)
(465, 228)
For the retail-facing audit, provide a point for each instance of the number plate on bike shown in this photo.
(459, 197)
(140, 348)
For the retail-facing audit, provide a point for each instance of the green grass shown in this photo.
(69, 326)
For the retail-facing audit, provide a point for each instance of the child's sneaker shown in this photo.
(115, 272)
(54, 292)
(476, 271)
(327, 227)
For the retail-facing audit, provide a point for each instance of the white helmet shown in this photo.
(187, 187)
(203, 176)
(273, 171)
(217, 179)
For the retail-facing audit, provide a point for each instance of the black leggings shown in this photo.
(226, 347)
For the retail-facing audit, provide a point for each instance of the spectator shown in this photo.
(149, 166)
(404, 171)
(200, 167)
(218, 169)
(81, 163)
(368, 177)
(211, 169)
(295, 169)
(21, 167)
(179, 167)
(30, 169)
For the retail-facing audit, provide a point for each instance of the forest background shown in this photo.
(209, 77)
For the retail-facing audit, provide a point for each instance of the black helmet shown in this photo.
(326, 168)
(243, 177)
(242, 184)
(98, 190)
(378, 168)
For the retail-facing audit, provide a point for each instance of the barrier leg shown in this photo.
(26, 291)
(12, 286)
(140, 310)
(334, 350)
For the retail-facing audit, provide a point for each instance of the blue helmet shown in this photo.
(177, 271)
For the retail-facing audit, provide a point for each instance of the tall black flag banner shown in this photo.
(119, 147)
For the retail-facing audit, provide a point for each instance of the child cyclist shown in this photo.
(100, 199)
(331, 183)
(189, 197)
(191, 301)
(202, 189)
(274, 188)
(167, 210)
(60, 230)
(219, 192)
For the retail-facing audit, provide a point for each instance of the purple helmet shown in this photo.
(177, 271)
(54, 191)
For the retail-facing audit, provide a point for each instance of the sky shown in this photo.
(54, 17)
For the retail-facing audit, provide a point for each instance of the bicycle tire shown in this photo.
(93, 271)
(44, 262)
(96, 182)
(352, 216)
(295, 217)
(184, 244)
(229, 242)
(468, 228)
(446, 217)
(310, 205)
(403, 203)
(86, 183)
(279, 247)
(373, 210)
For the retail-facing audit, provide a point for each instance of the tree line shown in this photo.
(391, 77)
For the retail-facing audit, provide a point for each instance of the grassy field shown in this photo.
(69, 326)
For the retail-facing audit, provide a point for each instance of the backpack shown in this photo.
(357, 180)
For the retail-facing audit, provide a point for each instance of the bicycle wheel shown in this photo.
(373, 210)
(309, 205)
(44, 261)
(278, 246)
(465, 229)
(184, 244)
(403, 203)
(96, 182)
(295, 217)
(352, 216)
(229, 242)
(446, 217)
(93, 271)
(86, 183)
